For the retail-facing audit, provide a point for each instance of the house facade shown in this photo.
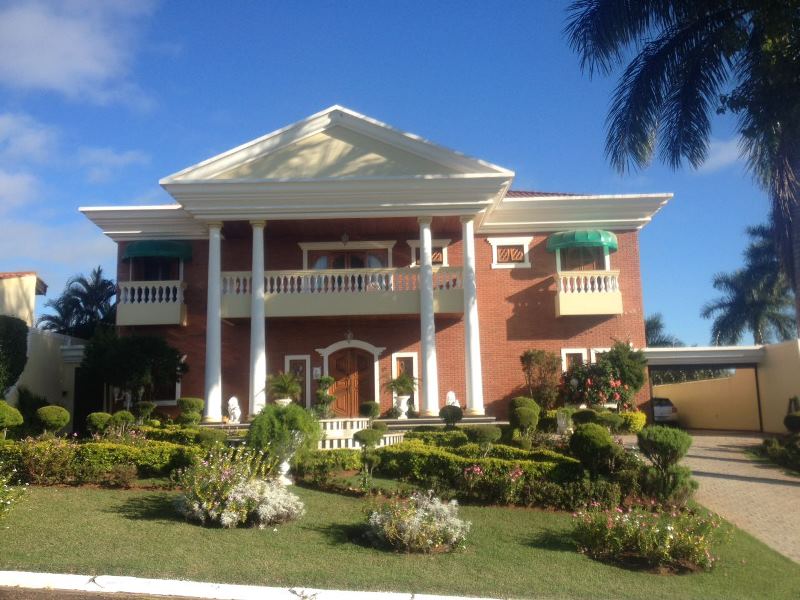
(381, 253)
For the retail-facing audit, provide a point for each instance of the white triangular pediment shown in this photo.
(336, 143)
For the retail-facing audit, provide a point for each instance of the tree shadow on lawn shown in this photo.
(556, 540)
(150, 507)
(345, 533)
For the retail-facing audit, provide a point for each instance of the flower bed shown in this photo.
(675, 542)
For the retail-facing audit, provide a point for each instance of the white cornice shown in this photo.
(704, 355)
(165, 222)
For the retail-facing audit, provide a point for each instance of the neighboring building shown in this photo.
(380, 252)
(18, 293)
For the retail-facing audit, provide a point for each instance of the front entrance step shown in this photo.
(409, 424)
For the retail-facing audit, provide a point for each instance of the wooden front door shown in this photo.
(353, 371)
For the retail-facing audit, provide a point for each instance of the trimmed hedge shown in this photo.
(512, 453)
(57, 460)
(319, 465)
(171, 433)
(444, 439)
(427, 464)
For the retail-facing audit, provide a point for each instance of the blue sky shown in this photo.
(98, 100)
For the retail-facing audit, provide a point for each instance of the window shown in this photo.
(511, 252)
(438, 252)
(299, 365)
(572, 356)
(596, 353)
(592, 258)
(347, 255)
(155, 268)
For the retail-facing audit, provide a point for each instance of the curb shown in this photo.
(110, 584)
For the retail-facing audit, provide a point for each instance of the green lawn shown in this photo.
(511, 552)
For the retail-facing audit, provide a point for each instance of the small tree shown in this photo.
(284, 385)
(53, 418)
(451, 415)
(324, 397)
(137, 364)
(629, 365)
(542, 372)
(13, 350)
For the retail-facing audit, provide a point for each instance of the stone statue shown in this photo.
(450, 399)
(234, 412)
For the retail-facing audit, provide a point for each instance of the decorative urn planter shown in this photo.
(283, 402)
(402, 405)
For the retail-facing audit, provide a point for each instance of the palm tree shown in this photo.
(655, 333)
(756, 298)
(85, 303)
(691, 58)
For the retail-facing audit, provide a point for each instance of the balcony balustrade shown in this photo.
(150, 303)
(588, 293)
(342, 292)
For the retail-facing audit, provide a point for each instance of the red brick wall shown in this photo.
(516, 308)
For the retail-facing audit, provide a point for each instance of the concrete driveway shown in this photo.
(759, 498)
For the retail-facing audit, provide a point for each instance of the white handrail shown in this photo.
(587, 282)
(150, 292)
(338, 281)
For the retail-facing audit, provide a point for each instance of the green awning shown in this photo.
(582, 239)
(162, 248)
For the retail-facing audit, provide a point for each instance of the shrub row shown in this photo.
(511, 453)
(624, 422)
(56, 461)
(443, 439)
(319, 465)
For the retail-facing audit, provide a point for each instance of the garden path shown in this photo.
(758, 497)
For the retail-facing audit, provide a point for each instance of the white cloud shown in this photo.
(16, 189)
(24, 138)
(102, 163)
(720, 154)
(81, 49)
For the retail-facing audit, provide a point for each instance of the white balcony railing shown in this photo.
(588, 293)
(342, 292)
(588, 282)
(150, 303)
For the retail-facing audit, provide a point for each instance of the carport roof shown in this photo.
(696, 356)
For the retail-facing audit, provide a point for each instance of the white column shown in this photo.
(258, 330)
(472, 338)
(213, 408)
(430, 377)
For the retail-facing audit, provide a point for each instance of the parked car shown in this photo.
(664, 411)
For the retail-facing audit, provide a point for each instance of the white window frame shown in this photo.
(437, 243)
(606, 259)
(564, 351)
(307, 359)
(414, 366)
(387, 245)
(524, 241)
(595, 351)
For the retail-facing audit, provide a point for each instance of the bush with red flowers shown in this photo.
(595, 384)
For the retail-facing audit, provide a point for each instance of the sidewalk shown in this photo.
(15, 584)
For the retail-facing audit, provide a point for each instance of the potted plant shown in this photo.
(402, 387)
(284, 388)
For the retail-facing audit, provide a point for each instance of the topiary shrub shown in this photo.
(10, 417)
(633, 421)
(370, 410)
(325, 399)
(27, 404)
(53, 418)
(792, 422)
(121, 421)
(584, 415)
(380, 426)
(591, 444)
(611, 420)
(451, 414)
(665, 447)
(144, 409)
(189, 419)
(484, 436)
(191, 404)
(530, 414)
(97, 422)
(13, 350)
(283, 432)
(368, 438)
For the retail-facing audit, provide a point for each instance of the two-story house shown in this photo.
(341, 246)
